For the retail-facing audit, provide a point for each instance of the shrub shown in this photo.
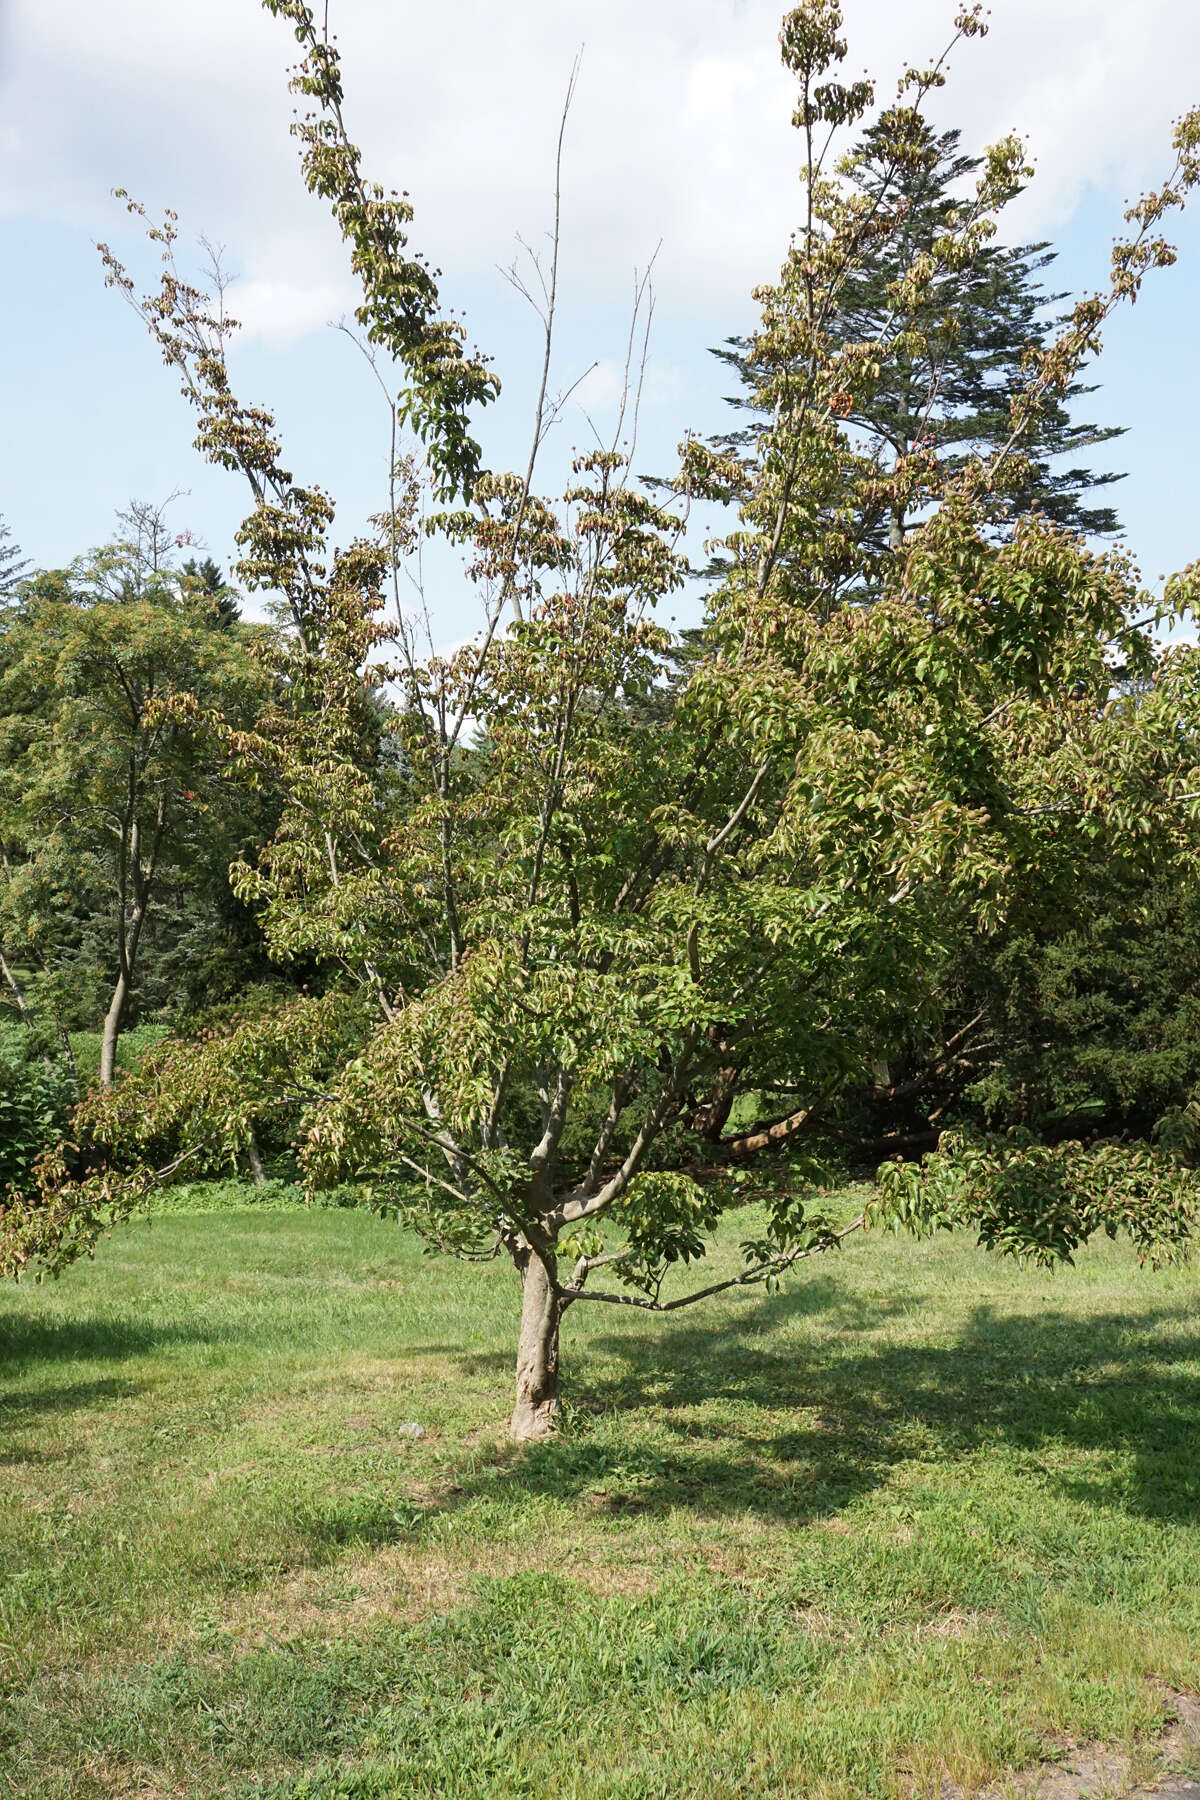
(37, 1092)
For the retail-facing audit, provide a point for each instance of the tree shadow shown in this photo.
(739, 1425)
(28, 1342)
(26, 1338)
(20, 1405)
(466, 1362)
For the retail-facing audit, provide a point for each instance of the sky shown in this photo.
(679, 149)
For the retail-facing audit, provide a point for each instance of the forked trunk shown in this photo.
(536, 1411)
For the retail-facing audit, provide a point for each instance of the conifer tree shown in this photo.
(12, 564)
(204, 577)
(952, 394)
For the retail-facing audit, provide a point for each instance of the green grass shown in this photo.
(919, 1516)
(132, 1045)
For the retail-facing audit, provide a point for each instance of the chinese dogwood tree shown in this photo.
(586, 891)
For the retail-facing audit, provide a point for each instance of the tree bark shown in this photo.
(129, 925)
(542, 1307)
(256, 1162)
(712, 1116)
(768, 1137)
(112, 1031)
(17, 991)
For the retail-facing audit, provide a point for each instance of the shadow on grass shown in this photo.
(737, 1426)
(26, 1338)
(466, 1362)
(17, 1407)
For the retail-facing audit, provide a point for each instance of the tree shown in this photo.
(1080, 1017)
(949, 391)
(565, 910)
(204, 577)
(1093, 1025)
(12, 565)
(104, 795)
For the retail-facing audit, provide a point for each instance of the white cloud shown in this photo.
(601, 389)
(279, 311)
(680, 129)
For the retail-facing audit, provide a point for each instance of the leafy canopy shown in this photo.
(565, 907)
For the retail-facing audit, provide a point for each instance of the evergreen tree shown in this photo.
(12, 564)
(205, 577)
(952, 394)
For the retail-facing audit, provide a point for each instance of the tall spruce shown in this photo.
(952, 394)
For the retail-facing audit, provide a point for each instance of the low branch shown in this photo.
(580, 1204)
(586, 1264)
(748, 1279)
(749, 1143)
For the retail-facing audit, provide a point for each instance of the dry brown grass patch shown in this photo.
(411, 1583)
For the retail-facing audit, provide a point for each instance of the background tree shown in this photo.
(1091, 1025)
(1078, 1018)
(561, 911)
(12, 564)
(204, 577)
(37, 1093)
(949, 391)
(105, 801)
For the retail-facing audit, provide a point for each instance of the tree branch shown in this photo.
(749, 1278)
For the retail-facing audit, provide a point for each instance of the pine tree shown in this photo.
(12, 564)
(976, 325)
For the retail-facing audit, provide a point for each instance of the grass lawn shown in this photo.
(920, 1516)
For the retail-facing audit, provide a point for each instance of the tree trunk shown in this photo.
(112, 1031)
(712, 1117)
(256, 1163)
(17, 991)
(542, 1309)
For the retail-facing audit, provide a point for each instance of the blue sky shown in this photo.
(679, 135)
